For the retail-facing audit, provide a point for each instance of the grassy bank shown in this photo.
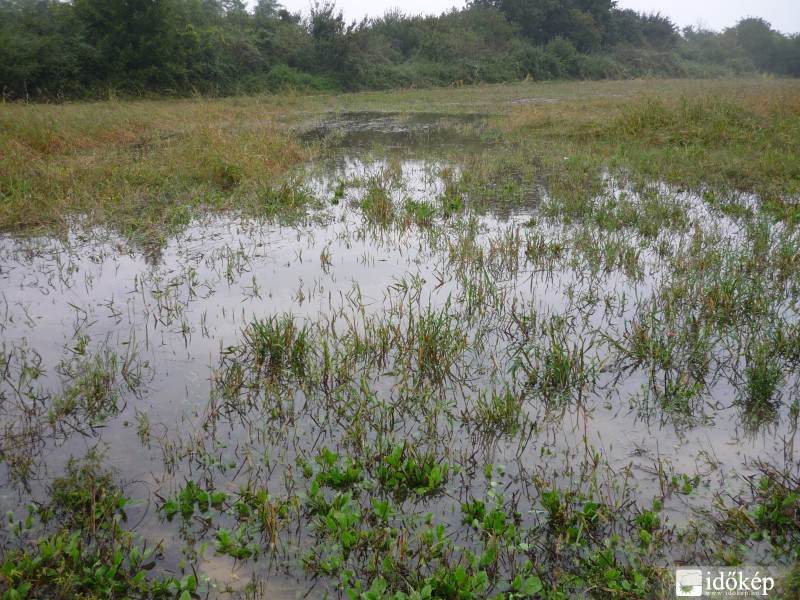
(721, 137)
(142, 164)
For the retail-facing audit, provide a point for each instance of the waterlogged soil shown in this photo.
(524, 353)
(412, 134)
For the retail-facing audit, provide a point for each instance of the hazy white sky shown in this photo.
(714, 14)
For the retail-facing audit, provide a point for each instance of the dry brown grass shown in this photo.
(58, 160)
(108, 158)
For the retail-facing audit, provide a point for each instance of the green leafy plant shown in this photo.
(190, 496)
(409, 470)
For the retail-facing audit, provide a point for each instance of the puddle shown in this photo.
(494, 290)
(393, 133)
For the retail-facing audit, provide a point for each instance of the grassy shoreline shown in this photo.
(158, 161)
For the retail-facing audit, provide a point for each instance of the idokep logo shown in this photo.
(688, 583)
(715, 582)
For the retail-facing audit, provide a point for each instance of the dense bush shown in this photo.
(51, 49)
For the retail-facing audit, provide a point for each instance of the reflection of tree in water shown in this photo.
(760, 418)
(153, 252)
(150, 243)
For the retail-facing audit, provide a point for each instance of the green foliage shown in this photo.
(96, 48)
(768, 513)
(377, 204)
(94, 383)
(283, 78)
(189, 497)
(499, 411)
(237, 543)
(497, 523)
(419, 213)
(90, 554)
(332, 41)
(274, 346)
(409, 470)
(763, 376)
(556, 366)
(776, 514)
(335, 473)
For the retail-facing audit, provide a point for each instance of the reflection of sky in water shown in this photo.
(222, 272)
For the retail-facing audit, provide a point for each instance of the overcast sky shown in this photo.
(784, 15)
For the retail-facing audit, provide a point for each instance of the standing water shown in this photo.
(426, 382)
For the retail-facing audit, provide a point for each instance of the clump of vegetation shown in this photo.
(80, 51)
(501, 411)
(556, 365)
(419, 213)
(88, 552)
(407, 470)
(763, 516)
(377, 204)
(272, 350)
(763, 374)
(192, 496)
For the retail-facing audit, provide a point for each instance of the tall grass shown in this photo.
(137, 163)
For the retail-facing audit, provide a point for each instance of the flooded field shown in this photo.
(445, 377)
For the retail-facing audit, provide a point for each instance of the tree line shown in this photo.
(52, 49)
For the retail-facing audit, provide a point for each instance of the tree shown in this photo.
(582, 22)
(707, 46)
(658, 31)
(624, 28)
(266, 9)
(539, 20)
(41, 49)
(134, 40)
(583, 31)
(758, 40)
(788, 55)
(332, 41)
